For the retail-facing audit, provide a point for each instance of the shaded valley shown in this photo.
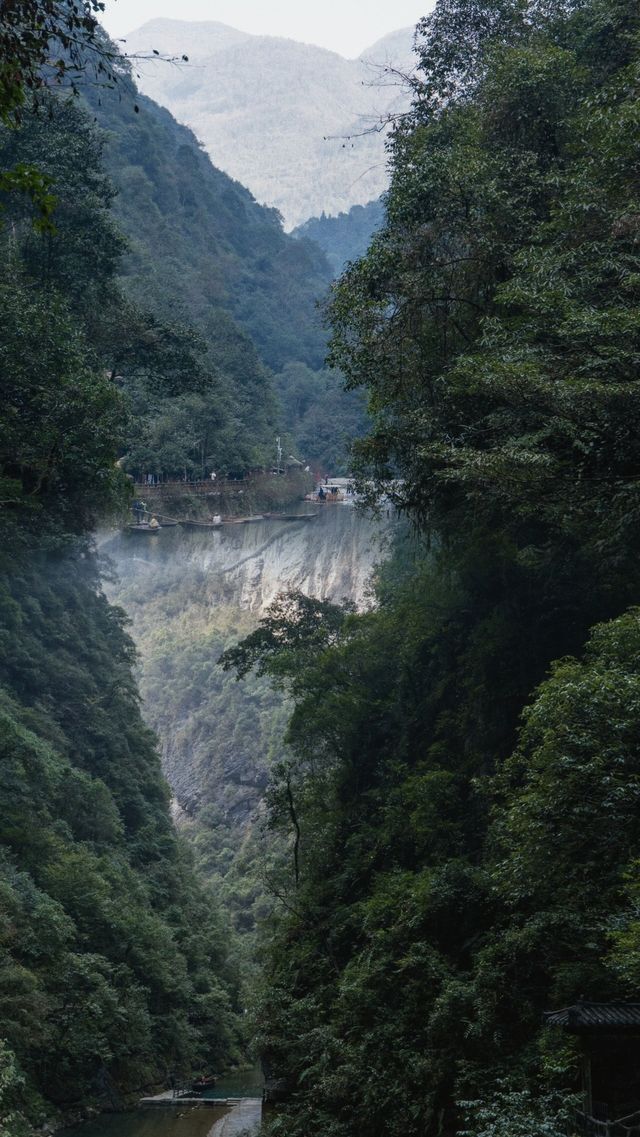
(192, 595)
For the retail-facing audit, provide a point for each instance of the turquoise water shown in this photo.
(241, 1084)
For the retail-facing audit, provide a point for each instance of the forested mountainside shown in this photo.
(461, 798)
(232, 296)
(116, 966)
(200, 244)
(346, 237)
(203, 252)
(294, 122)
(116, 963)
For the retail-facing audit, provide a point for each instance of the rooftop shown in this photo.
(583, 1015)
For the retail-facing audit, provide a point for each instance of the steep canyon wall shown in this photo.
(190, 594)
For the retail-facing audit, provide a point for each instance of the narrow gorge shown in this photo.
(192, 594)
(313, 821)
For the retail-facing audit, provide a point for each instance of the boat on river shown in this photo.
(206, 1082)
(143, 528)
(215, 524)
(330, 496)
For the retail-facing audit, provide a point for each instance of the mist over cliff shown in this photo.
(191, 595)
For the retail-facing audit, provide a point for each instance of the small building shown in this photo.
(609, 1035)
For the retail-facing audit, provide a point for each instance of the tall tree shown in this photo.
(494, 325)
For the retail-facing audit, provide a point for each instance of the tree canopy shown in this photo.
(459, 796)
(115, 962)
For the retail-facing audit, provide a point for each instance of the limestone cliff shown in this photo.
(191, 595)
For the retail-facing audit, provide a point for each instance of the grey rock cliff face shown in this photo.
(192, 594)
(291, 121)
(245, 567)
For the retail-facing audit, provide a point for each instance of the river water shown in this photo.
(176, 1120)
(329, 556)
(152, 1122)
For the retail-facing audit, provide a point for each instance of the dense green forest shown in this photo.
(458, 793)
(116, 965)
(346, 237)
(115, 961)
(461, 792)
(226, 292)
(203, 252)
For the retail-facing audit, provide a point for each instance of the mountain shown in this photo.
(345, 237)
(201, 248)
(202, 251)
(293, 122)
(393, 50)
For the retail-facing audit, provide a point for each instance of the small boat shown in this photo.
(330, 498)
(206, 1082)
(249, 520)
(144, 528)
(201, 524)
(331, 495)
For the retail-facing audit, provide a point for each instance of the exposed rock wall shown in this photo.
(246, 565)
(190, 595)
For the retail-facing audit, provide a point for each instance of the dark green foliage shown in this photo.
(346, 237)
(65, 315)
(504, 379)
(423, 938)
(386, 897)
(115, 967)
(322, 419)
(456, 869)
(63, 141)
(32, 34)
(62, 418)
(295, 629)
(60, 423)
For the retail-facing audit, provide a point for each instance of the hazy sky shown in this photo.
(346, 26)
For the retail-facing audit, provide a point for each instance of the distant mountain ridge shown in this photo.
(346, 237)
(299, 125)
(200, 247)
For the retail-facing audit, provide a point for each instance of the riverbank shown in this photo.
(256, 493)
(232, 1105)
